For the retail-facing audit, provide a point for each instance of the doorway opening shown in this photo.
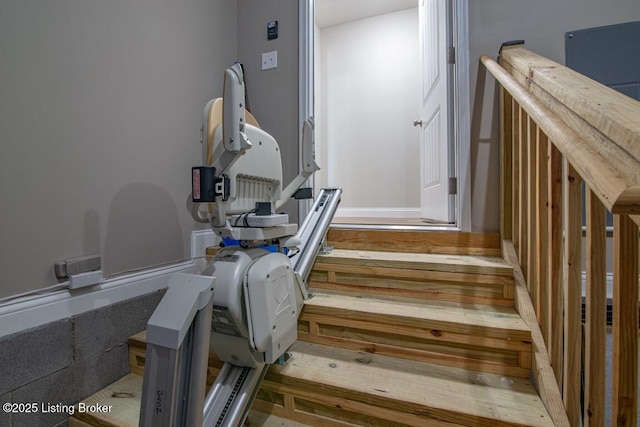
(380, 79)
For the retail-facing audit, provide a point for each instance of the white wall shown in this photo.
(542, 24)
(100, 111)
(369, 97)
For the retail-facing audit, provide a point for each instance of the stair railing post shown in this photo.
(572, 278)
(596, 312)
(625, 322)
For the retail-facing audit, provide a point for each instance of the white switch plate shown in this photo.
(269, 60)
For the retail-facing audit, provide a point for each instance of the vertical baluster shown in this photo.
(532, 203)
(524, 151)
(596, 312)
(572, 278)
(625, 321)
(554, 259)
(515, 180)
(542, 227)
(506, 144)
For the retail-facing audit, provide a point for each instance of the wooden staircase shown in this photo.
(405, 329)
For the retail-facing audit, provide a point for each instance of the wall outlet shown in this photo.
(269, 60)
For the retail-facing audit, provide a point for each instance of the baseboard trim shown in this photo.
(201, 240)
(378, 212)
(32, 311)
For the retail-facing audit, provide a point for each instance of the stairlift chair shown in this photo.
(246, 302)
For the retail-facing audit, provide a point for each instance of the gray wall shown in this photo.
(273, 94)
(542, 25)
(100, 110)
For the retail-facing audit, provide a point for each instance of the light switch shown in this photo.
(269, 60)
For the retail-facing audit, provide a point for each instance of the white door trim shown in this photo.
(462, 114)
(305, 84)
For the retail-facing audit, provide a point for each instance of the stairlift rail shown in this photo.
(229, 400)
(314, 229)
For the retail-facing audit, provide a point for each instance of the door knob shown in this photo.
(417, 122)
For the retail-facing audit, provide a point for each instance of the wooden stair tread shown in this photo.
(384, 387)
(444, 393)
(124, 396)
(478, 264)
(455, 278)
(444, 242)
(495, 322)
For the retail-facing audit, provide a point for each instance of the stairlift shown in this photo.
(244, 306)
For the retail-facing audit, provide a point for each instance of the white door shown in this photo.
(434, 120)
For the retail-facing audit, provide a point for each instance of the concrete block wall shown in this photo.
(65, 361)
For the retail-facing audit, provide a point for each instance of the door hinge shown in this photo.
(453, 185)
(451, 55)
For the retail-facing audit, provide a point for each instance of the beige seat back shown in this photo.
(213, 119)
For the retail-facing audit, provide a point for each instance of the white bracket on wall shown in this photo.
(65, 269)
(82, 280)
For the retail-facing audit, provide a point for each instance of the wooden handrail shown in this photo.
(612, 188)
(559, 129)
(581, 95)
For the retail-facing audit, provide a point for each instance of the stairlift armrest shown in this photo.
(309, 165)
(293, 186)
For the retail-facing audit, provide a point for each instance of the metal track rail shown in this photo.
(314, 229)
(229, 400)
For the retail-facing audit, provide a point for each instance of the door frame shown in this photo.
(459, 100)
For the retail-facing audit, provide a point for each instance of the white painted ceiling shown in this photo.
(334, 12)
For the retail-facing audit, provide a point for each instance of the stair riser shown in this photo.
(416, 262)
(326, 410)
(476, 280)
(424, 275)
(465, 350)
(428, 286)
(307, 401)
(415, 317)
(495, 356)
(138, 356)
(410, 241)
